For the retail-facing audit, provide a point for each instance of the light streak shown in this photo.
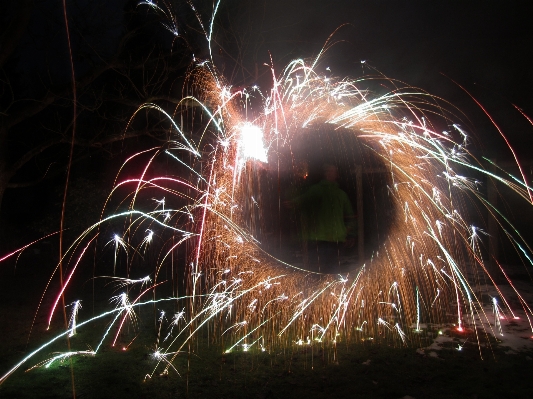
(67, 281)
(418, 310)
(497, 315)
(76, 306)
(62, 335)
(20, 250)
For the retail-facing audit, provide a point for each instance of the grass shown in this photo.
(361, 371)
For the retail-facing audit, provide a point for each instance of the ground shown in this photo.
(443, 364)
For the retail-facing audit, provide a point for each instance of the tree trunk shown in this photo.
(3, 229)
(15, 29)
(4, 178)
(3, 185)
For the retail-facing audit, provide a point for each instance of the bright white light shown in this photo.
(252, 143)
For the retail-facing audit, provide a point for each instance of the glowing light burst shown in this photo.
(418, 275)
(251, 144)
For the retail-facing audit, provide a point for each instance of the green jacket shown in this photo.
(327, 214)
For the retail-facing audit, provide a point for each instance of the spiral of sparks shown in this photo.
(430, 266)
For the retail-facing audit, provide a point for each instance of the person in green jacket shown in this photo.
(328, 221)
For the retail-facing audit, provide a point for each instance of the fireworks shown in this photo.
(430, 265)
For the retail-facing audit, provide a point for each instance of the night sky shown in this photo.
(482, 45)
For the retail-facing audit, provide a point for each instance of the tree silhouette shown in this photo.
(123, 57)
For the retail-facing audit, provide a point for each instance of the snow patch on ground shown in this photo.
(506, 316)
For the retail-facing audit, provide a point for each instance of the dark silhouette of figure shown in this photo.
(327, 221)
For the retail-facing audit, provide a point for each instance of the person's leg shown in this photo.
(313, 256)
(328, 257)
(305, 254)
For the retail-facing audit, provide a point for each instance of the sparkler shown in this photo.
(418, 275)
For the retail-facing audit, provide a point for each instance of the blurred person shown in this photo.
(328, 221)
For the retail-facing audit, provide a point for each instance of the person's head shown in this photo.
(330, 172)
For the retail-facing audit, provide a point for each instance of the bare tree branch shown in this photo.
(15, 29)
